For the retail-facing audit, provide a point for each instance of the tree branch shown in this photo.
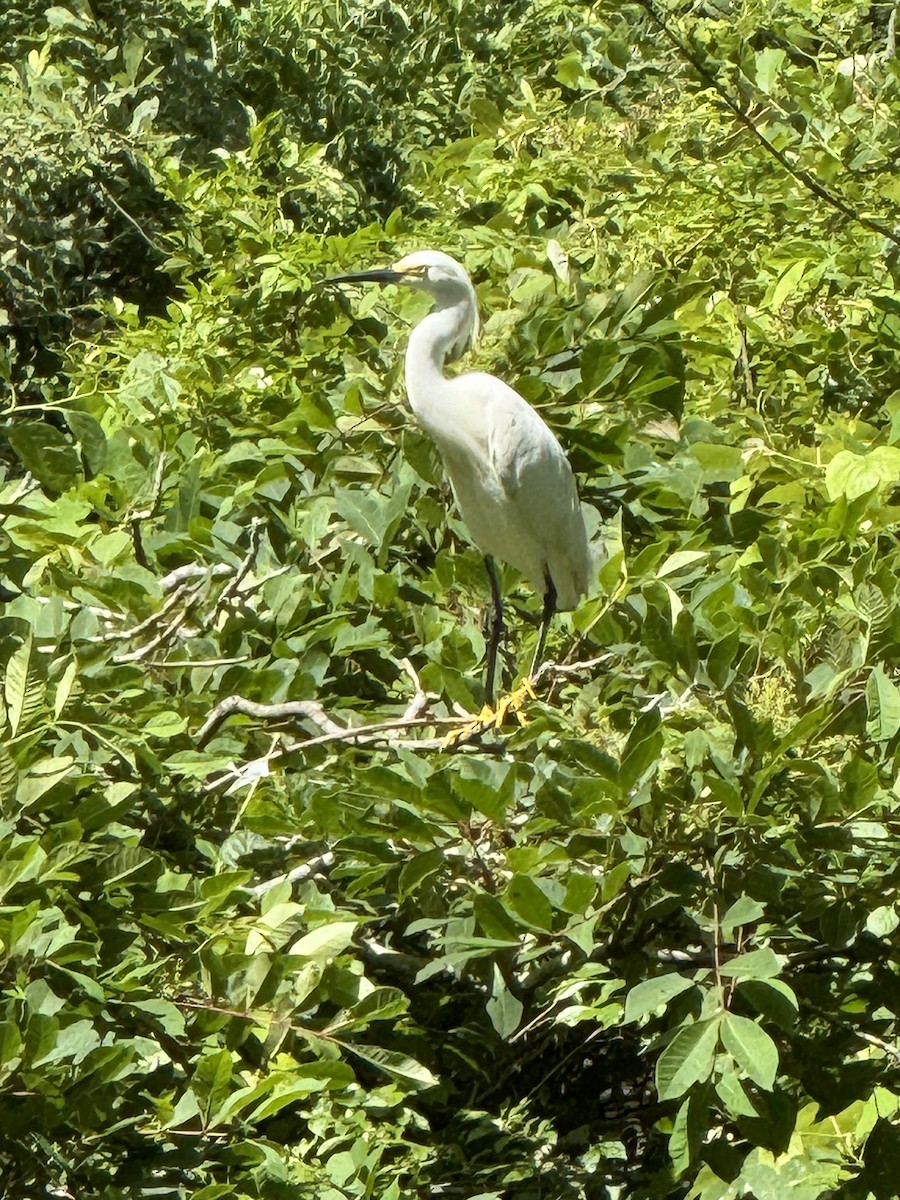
(804, 177)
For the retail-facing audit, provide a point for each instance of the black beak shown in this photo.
(382, 275)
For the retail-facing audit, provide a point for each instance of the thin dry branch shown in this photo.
(304, 710)
(309, 710)
(563, 670)
(193, 571)
(165, 634)
(26, 484)
(247, 562)
(146, 513)
(316, 866)
(129, 218)
(421, 699)
(125, 635)
(182, 597)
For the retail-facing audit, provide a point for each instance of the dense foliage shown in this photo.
(641, 939)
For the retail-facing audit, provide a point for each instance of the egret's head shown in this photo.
(441, 276)
(447, 280)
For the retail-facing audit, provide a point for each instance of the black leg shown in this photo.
(546, 618)
(497, 629)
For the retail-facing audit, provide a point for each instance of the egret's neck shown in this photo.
(429, 344)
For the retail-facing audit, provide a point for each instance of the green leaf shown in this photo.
(46, 453)
(744, 911)
(688, 1059)
(165, 725)
(91, 438)
(882, 921)
(678, 561)
(773, 999)
(211, 1082)
(769, 63)
(642, 750)
(853, 475)
(570, 71)
(22, 689)
(419, 868)
(64, 688)
(883, 704)
(731, 1092)
(504, 1009)
(787, 284)
(382, 1004)
(41, 777)
(756, 964)
(401, 1066)
(526, 900)
(9, 778)
(650, 995)
(326, 941)
(752, 1049)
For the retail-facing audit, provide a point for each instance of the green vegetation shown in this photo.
(643, 944)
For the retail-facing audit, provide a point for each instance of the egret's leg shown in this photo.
(497, 629)
(546, 618)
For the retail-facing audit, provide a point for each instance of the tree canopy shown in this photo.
(265, 931)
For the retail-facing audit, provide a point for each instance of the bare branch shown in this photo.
(150, 622)
(146, 513)
(421, 699)
(562, 670)
(193, 571)
(197, 662)
(165, 634)
(128, 217)
(26, 484)
(315, 866)
(246, 563)
(307, 710)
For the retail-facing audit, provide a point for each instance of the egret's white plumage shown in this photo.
(512, 481)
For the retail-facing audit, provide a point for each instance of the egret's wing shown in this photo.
(542, 496)
(513, 482)
(519, 443)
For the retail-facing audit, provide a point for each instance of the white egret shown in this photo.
(513, 483)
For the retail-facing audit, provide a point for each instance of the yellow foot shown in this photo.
(493, 718)
(514, 702)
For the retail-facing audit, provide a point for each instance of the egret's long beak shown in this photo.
(380, 275)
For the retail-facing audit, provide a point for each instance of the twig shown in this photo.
(240, 575)
(315, 866)
(177, 583)
(311, 710)
(383, 958)
(370, 733)
(564, 669)
(888, 1047)
(192, 571)
(308, 710)
(126, 635)
(197, 662)
(128, 217)
(27, 484)
(155, 492)
(164, 635)
(421, 699)
(146, 513)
